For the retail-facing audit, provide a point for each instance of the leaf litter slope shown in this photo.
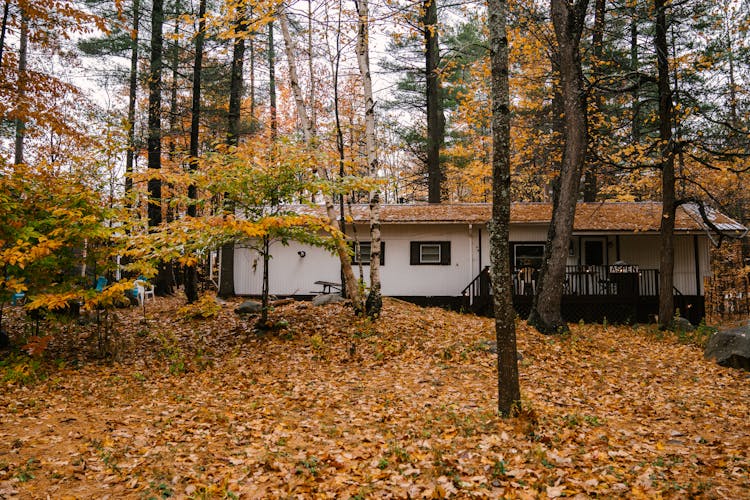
(334, 407)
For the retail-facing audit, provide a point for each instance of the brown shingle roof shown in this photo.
(629, 217)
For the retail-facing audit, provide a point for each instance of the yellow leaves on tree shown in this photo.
(52, 225)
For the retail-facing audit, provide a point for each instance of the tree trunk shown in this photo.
(509, 392)
(191, 272)
(350, 282)
(666, 261)
(374, 302)
(299, 100)
(251, 43)
(235, 85)
(634, 67)
(339, 134)
(265, 290)
(310, 65)
(171, 281)
(546, 313)
(226, 280)
(3, 29)
(20, 124)
(590, 187)
(154, 130)
(435, 117)
(272, 82)
(132, 96)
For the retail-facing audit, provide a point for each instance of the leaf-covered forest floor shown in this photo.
(334, 407)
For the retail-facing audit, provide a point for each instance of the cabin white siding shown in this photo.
(643, 250)
(292, 274)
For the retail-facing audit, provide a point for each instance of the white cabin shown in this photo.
(432, 252)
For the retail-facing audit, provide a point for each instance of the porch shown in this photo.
(617, 293)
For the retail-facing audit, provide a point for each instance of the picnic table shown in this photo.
(328, 286)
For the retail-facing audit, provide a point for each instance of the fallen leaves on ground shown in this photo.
(331, 406)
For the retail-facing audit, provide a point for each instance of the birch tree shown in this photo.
(350, 281)
(374, 301)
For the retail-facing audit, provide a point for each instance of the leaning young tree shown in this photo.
(509, 392)
(568, 20)
(350, 281)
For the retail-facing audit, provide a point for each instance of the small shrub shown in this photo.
(311, 465)
(204, 308)
(26, 472)
(22, 370)
(316, 341)
(498, 469)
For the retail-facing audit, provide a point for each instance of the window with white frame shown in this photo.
(362, 252)
(430, 253)
(528, 255)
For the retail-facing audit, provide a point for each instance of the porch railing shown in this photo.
(597, 280)
(579, 281)
(479, 290)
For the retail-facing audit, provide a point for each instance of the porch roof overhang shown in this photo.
(601, 218)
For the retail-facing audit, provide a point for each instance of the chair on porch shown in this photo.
(527, 280)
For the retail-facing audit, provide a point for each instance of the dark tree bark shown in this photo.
(154, 130)
(509, 392)
(191, 272)
(339, 137)
(20, 124)
(435, 117)
(590, 187)
(132, 96)
(226, 280)
(3, 29)
(235, 85)
(568, 20)
(666, 261)
(171, 280)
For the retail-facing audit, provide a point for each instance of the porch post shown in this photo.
(696, 256)
(617, 247)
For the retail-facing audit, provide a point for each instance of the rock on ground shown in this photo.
(327, 298)
(682, 324)
(730, 348)
(249, 307)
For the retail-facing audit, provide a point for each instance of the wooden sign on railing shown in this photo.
(624, 268)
